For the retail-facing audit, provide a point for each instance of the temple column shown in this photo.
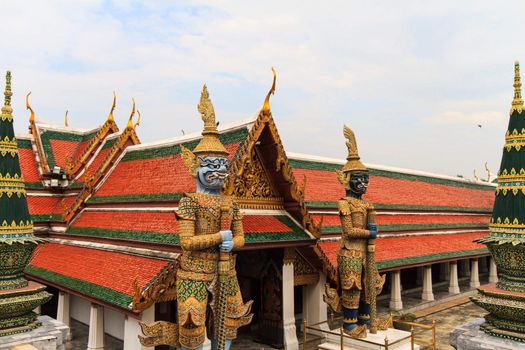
(396, 303)
(132, 329)
(427, 294)
(444, 271)
(474, 274)
(314, 308)
(453, 287)
(96, 328)
(290, 335)
(63, 310)
(493, 271)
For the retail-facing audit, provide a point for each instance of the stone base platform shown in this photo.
(51, 335)
(470, 337)
(372, 341)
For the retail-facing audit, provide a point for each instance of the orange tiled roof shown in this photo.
(103, 275)
(414, 249)
(161, 227)
(323, 186)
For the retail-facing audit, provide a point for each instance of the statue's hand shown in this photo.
(373, 230)
(226, 246)
(226, 235)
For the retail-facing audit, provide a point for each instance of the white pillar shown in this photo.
(474, 274)
(427, 294)
(96, 328)
(290, 335)
(63, 311)
(132, 329)
(314, 308)
(396, 303)
(453, 287)
(444, 271)
(493, 271)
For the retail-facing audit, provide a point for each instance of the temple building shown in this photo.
(106, 205)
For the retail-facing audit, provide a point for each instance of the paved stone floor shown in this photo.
(447, 316)
(449, 319)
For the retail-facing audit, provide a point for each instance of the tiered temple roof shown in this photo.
(123, 211)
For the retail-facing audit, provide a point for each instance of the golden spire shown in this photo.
(209, 145)
(6, 108)
(110, 116)
(130, 122)
(517, 102)
(32, 116)
(266, 104)
(65, 119)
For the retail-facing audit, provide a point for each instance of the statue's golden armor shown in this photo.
(199, 219)
(356, 215)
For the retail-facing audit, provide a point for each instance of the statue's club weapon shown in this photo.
(223, 269)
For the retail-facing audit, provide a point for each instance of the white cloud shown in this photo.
(401, 74)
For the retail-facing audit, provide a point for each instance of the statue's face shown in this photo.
(358, 183)
(212, 172)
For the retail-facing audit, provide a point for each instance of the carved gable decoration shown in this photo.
(253, 188)
(304, 272)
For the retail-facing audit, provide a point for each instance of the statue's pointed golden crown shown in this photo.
(210, 145)
(353, 163)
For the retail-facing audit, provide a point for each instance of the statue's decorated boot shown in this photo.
(363, 317)
(350, 325)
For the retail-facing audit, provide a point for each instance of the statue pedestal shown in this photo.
(372, 341)
(51, 335)
(470, 337)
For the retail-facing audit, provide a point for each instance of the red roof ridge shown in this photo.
(246, 123)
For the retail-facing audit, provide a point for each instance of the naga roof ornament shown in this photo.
(266, 104)
(130, 120)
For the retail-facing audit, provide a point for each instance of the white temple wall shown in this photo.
(114, 323)
(79, 309)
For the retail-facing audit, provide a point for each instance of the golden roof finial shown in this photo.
(110, 115)
(266, 104)
(32, 116)
(517, 102)
(6, 108)
(130, 123)
(65, 120)
(138, 120)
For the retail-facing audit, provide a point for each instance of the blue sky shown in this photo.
(412, 78)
